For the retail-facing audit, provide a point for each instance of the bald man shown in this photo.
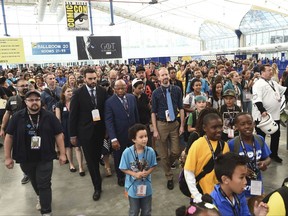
(120, 114)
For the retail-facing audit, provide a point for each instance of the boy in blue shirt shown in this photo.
(137, 162)
(230, 170)
(253, 147)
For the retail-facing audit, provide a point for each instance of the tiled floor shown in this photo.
(72, 194)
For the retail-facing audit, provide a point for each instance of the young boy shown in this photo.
(204, 151)
(228, 112)
(137, 162)
(231, 170)
(253, 147)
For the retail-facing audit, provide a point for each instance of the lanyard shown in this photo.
(271, 85)
(252, 164)
(140, 166)
(211, 148)
(35, 126)
(164, 93)
(231, 116)
(230, 202)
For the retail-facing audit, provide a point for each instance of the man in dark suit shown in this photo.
(87, 125)
(120, 114)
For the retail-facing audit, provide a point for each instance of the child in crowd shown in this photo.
(254, 148)
(199, 209)
(228, 111)
(200, 104)
(198, 169)
(216, 100)
(137, 162)
(189, 100)
(231, 170)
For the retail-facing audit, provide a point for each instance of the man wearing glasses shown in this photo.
(31, 135)
(14, 104)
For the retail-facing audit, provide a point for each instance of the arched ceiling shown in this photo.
(183, 17)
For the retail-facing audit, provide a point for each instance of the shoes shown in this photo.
(38, 205)
(82, 173)
(173, 166)
(276, 159)
(108, 172)
(47, 214)
(25, 179)
(72, 170)
(96, 195)
(121, 182)
(170, 184)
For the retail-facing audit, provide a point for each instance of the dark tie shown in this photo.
(125, 103)
(170, 105)
(93, 98)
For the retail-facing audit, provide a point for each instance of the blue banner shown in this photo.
(50, 48)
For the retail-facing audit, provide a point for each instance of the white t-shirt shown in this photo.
(271, 98)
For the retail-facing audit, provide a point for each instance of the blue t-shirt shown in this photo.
(147, 159)
(261, 154)
(224, 206)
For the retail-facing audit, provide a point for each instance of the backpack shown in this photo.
(186, 132)
(206, 169)
(237, 143)
(283, 191)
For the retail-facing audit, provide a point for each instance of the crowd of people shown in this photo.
(140, 114)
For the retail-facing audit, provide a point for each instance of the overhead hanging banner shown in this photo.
(50, 48)
(77, 15)
(11, 50)
(99, 47)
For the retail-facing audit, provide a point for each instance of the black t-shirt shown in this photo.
(33, 155)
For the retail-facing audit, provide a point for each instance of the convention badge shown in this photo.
(64, 108)
(248, 95)
(151, 128)
(256, 187)
(13, 103)
(230, 133)
(167, 116)
(35, 142)
(238, 103)
(141, 190)
(277, 96)
(96, 115)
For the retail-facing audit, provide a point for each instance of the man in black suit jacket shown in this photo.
(121, 113)
(87, 126)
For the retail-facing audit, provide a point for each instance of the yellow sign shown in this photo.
(11, 50)
(77, 15)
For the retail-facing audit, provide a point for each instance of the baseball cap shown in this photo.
(199, 98)
(136, 80)
(229, 92)
(32, 92)
(140, 68)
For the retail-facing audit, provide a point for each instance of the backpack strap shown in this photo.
(259, 140)
(236, 144)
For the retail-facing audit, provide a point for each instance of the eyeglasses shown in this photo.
(33, 100)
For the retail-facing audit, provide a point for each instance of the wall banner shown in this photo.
(50, 48)
(103, 47)
(11, 50)
(77, 15)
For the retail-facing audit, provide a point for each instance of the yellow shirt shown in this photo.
(276, 205)
(179, 77)
(198, 156)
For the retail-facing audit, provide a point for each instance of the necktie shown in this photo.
(125, 103)
(170, 105)
(93, 98)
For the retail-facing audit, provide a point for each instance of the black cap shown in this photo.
(32, 92)
(140, 68)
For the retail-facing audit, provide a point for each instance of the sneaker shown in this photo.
(170, 184)
(38, 205)
(276, 159)
(47, 214)
(173, 166)
(25, 179)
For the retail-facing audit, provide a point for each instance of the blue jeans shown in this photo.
(144, 204)
(40, 174)
(247, 106)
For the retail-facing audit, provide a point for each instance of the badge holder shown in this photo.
(141, 190)
(167, 116)
(96, 115)
(35, 142)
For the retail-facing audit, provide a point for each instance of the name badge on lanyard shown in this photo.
(35, 142)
